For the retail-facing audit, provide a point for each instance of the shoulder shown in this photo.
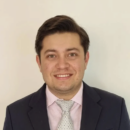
(103, 97)
(22, 103)
(107, 95)
(25, 102)
(109, 100)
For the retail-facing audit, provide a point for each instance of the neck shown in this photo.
(65, 95)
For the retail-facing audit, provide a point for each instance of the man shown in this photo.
(65, 102)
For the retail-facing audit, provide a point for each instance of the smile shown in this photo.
(63, 76)
(66, 75)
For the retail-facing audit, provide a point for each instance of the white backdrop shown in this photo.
(107, 23)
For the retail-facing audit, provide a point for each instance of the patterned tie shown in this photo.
(66, 122)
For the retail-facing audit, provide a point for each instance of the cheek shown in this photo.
(81, 65)
(46, 72)
(47, 68)
(79, 68)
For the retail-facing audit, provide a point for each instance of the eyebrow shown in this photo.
(49, 50)
(72, 49)
(69, 49)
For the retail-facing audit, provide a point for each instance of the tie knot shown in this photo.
(65, 105)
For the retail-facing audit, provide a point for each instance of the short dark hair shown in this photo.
(60, 23)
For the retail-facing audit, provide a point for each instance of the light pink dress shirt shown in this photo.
(55, 112)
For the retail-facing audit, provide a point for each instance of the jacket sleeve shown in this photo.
(7, 123)
(124, 120)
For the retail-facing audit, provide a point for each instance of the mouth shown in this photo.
(62, 76)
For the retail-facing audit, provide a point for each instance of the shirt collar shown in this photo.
(51, 98)
(78, 97)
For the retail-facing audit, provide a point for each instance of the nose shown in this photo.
(62, 63)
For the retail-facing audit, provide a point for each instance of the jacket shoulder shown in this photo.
(109, 99)
(107, 95)
(25, 101)
(21, 103)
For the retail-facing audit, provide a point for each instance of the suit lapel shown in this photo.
(90, 110)
(38, 114)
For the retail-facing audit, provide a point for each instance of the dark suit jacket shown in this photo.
(101, 111)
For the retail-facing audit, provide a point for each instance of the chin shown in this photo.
(64, 89)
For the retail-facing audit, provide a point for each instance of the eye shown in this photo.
(51, 56)
(72, 54)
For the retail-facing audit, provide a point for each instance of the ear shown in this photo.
(38, 61)
(86, 59)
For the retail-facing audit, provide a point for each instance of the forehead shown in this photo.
(62, 41)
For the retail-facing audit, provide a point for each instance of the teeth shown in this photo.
(63, 75)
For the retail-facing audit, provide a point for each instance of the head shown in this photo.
(60, 24)
(62, 55)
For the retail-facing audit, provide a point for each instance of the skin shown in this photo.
(62, 54)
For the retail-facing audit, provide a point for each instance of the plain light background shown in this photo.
(107, 23)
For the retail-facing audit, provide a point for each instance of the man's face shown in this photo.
(63, 63)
